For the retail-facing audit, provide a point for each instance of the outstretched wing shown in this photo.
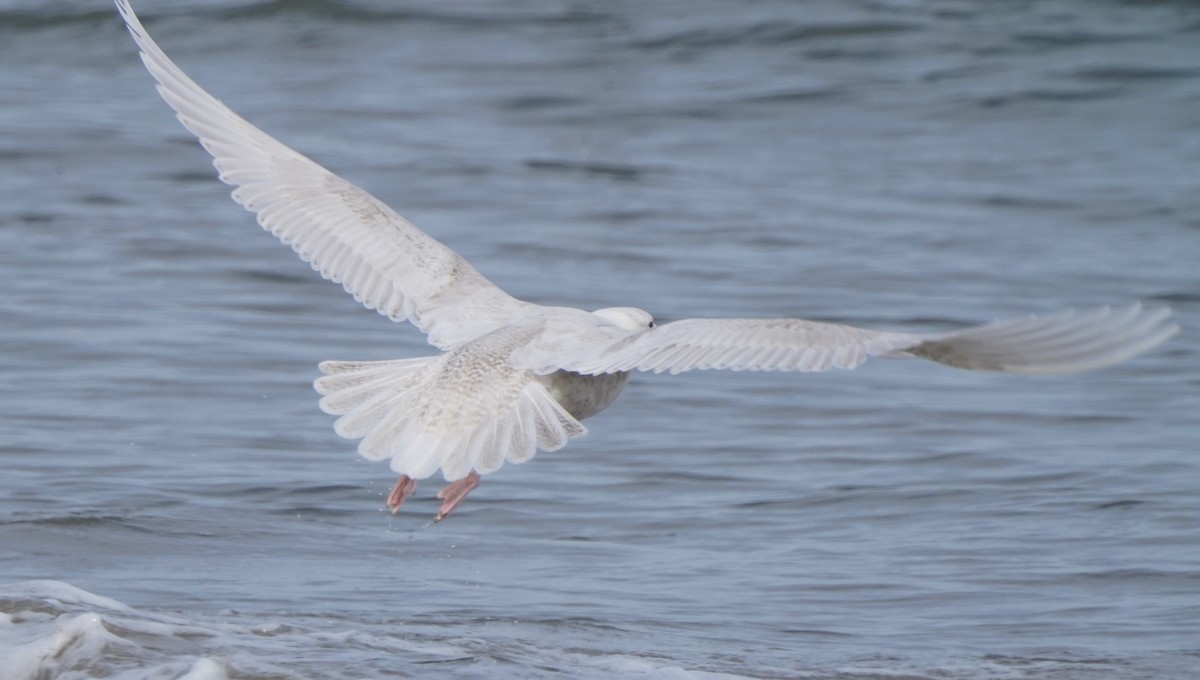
(346, 234)
(1060, 343)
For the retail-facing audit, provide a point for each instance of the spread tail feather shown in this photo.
(399, 411)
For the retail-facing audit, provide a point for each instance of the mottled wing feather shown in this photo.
(346, 234)
(1060, 343)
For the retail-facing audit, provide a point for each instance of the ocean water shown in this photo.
(174, 505)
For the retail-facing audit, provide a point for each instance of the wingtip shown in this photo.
(1135, 329)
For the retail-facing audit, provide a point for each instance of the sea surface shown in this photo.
(173, 504)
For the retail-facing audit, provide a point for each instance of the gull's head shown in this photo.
(628, 318)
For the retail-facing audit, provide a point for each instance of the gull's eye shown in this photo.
(651, 324)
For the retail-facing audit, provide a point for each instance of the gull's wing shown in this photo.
(1059, 343)
(346, 234)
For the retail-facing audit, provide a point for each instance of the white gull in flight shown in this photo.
(514, 377)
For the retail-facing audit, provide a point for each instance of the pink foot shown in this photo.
(455, 493)
(405, 486)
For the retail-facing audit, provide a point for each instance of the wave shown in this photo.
(51, 629)
(771, 33)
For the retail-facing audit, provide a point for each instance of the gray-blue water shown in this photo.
(174, 505)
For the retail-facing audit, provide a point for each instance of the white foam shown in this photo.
(205, 669)
(50, 629)
(31, 651)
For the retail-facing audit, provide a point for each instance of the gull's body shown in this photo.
(514, 377)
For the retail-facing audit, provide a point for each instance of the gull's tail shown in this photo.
(418, 413)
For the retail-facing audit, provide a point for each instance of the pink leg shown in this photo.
(455, 493)
(405, 486)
